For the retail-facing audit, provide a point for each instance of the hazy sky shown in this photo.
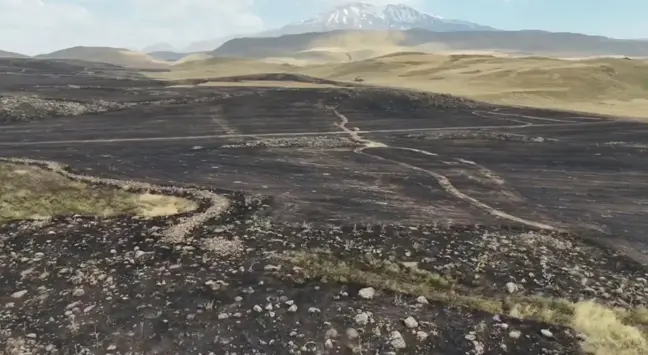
(37, 26)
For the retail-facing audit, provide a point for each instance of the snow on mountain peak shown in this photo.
(360, 15)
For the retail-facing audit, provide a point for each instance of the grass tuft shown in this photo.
(608, 331)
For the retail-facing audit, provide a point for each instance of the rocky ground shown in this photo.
(241, 284)
(353, 221)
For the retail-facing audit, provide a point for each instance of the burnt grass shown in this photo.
(109, 286)
(277, 273)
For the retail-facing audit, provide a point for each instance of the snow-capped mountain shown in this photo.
(361, 16)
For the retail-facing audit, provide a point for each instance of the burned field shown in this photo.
(357, 220)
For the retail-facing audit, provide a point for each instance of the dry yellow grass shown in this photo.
(608, 331)
(612, 86)
(31, 192)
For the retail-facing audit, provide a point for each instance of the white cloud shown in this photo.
(38, 26)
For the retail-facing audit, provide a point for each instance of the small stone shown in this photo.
(362, 318)
(19, 294)
(422, 300)
(292, 308)
(257, 308)
(314, 310)
(331, 334)
(511, 287)
(367, 293)
(223, 316)
(328, 344)
(397, 340)
(111, 347)
(238, 299)
(421, 335)
(515, 334)
(547, 333)
(268, 307)
(31, 335)
(352, 334)
(471, 337)
(78, 292)
(410, 322)
(271, 268)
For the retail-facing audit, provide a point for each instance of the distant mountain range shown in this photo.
(358, 16)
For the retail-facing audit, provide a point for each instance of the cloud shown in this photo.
(38, 26)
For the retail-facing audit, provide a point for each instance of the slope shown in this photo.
(602, 85)
(361, 44)
(116, 56)
(5, 54)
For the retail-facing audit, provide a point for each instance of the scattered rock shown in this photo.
(421, 335)
(397, 340)
(511, 287)
(367, 293)
(352, 334)
(19, 294)
(362, 318)
(547, 333)
(331, 334)
(410, 322)
(223, 316)
(422, 300)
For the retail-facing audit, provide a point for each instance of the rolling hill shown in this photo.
(613, 86)
(116, 56)
(5, 54)
(362, 44)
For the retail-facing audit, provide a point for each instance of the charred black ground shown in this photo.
(494, 203)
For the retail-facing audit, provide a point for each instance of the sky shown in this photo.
(41, 26)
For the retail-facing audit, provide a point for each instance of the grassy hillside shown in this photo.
(116, 56)
(5, 54)
(194, 68)
(364, 44)
(608, 86)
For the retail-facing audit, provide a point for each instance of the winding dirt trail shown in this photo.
(443, 181)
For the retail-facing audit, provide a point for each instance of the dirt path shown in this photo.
(445, 183)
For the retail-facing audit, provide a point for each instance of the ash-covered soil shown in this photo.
(419, 196)
(85, 285)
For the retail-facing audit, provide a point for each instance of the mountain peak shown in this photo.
(363, 16)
